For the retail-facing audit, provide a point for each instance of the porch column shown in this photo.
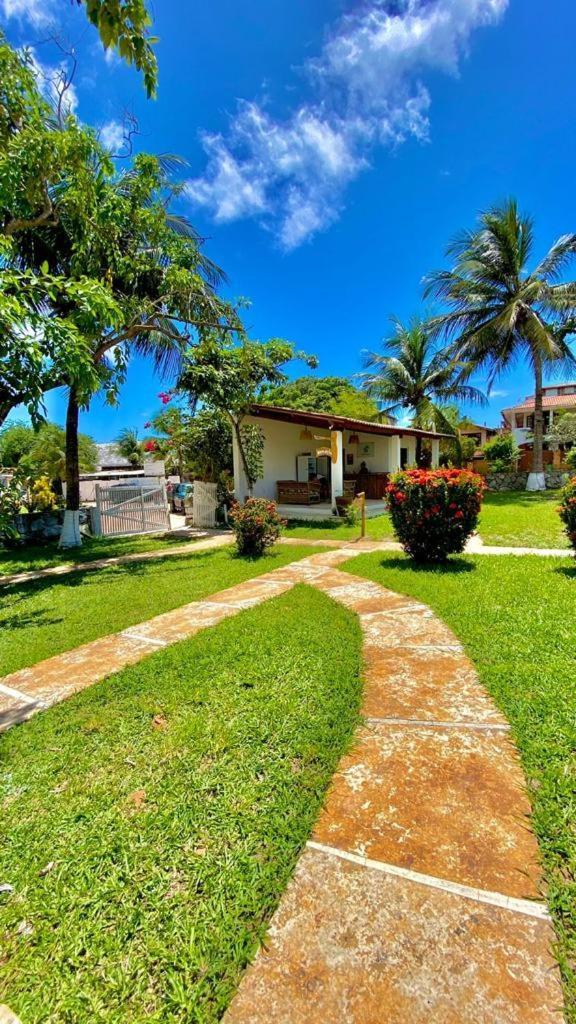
(435, 452)
(394, 453)
(240, 482)
(337, 475)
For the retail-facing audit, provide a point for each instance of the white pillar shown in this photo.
(337, 476)
(240, 481)
(394, 453)
(435, 452)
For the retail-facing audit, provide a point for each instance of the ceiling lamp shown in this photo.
(353, 439)
(323, 451)
(306, 435)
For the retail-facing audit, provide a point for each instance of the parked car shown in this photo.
(179, 494)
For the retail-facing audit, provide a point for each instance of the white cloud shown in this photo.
(367, 91)
(112, 136)
(37, 13)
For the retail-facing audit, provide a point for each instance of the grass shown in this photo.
(516, 617)
(48, 616)
(172, 801)
(509, 519)
(522, 519)
(45, 556)
(378, 528)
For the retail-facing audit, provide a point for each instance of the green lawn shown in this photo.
(379, 528)
(172, 801)
(516, 617)
(44, 556)
(48, 616)
(522, 519)
(513, 518)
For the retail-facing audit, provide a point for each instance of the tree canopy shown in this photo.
(124, 25)
(337, 395)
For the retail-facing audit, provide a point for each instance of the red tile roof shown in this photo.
(548, 402)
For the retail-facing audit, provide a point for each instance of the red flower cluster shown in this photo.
(434, 511)
(256, 524)
(165, 396)
(150, 446)
(567, 510)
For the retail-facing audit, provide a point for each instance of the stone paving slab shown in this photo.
(425, 686)
(352, 945)
(446, 802)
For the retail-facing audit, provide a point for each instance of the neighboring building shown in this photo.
(109, 458)
(311, 459)
(520, 418)
(480, 434)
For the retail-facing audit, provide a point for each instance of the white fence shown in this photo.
(204, 504)
(130, 509)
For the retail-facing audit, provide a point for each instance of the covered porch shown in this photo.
(315, 463)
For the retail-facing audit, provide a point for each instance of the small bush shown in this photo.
(567, 510)
(570, 459)
(256, 524)
(501, 452)
(41, 496)
(434, 512)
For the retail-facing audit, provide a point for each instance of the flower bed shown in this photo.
(256, 524)
(567, 510)
(434, 512)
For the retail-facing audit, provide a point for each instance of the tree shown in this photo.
(499, 310)
(16, 440)
(124, 26)
(47, 455)
(563, 430)
(413, 374)
(130, 447)
(501, 451)
(227, 376)
(335, 395)
(111, 270)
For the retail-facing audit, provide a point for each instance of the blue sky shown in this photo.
(335, 147)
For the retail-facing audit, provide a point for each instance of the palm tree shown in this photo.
(413, 374)
(500, 311)
(130, 447)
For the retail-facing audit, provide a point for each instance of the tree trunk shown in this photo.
(536, 478)
(70, 536)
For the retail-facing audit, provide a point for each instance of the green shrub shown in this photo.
(434, 512)
(570, 458)
(567, 510)
(501, 452)
(256, 525)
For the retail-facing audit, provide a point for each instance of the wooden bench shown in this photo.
(293, 492)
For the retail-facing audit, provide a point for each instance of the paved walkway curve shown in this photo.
(418, 898)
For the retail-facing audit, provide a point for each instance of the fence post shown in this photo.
(362, 497)
(97, 520)
(142, 509)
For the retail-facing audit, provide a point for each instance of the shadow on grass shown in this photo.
(453, 567)
(567, 570)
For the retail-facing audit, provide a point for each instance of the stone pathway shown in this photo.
(213, 541)
(418, 898)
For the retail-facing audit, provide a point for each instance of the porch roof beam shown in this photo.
(329, 422)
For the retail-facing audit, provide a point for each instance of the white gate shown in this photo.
(130, 509)
(204, 504)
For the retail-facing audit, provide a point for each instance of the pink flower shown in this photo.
(147, 426)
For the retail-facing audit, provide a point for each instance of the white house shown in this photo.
(311, 459)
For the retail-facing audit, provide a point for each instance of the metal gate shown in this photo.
(204, 505)
(130, 509)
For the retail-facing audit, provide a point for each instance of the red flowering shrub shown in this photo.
(150, 446)
(434, 511)
(256, 524)
(567, 510)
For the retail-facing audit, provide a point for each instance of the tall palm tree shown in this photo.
(500, 311)
(130, 447)
(412, 373)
